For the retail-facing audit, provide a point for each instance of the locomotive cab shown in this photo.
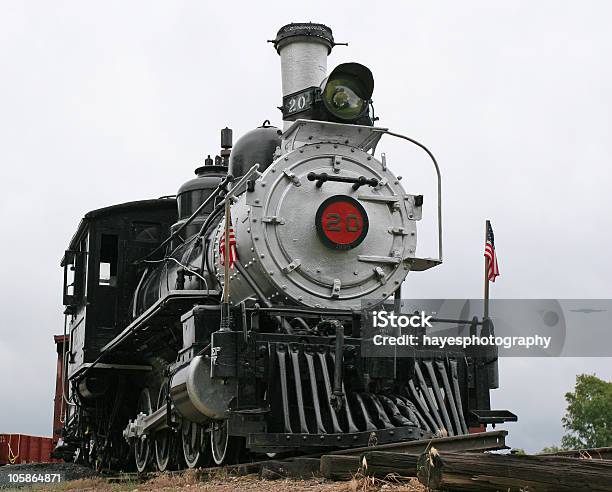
(99, 272)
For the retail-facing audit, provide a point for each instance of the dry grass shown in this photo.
(193, 482)
(97, 484)
(196, 481)
(391, 483)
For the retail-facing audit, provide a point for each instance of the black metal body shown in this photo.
(290, 395)
(155, 358)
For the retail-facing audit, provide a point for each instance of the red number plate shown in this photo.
(342, 222)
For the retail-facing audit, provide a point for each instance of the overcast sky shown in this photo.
(107, 102)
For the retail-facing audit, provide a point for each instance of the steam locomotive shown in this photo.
(226, 322)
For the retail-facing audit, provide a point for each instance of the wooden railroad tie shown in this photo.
(490, 472)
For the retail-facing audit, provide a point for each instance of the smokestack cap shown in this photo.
(304, 30)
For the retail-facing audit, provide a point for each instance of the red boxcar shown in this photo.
(19, 448)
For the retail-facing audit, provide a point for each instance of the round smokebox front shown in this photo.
(327, 225)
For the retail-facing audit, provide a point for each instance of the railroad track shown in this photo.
(310, 465)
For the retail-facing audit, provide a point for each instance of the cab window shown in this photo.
(109, 255)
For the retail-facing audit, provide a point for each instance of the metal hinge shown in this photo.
(336, 288)
(273, 219)
(336, 164)
(393, 201)
(380, 275)
(379, 198)
(292, 177)
(379, 259)
(397, 231)
(292, 266)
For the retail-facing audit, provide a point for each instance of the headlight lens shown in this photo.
(341, 98)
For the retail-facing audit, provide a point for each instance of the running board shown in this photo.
(493, 416)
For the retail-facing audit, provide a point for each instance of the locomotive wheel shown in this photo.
(164, 438)
(225, 449)
(142, 444)
(196, 445)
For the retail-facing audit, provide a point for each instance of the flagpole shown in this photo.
(225, 325)
(486, 275)
(225, 313)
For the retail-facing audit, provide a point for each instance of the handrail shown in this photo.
(220, 187)
(241, 181)
(419, 144)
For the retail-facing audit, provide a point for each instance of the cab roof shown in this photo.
(158, 203)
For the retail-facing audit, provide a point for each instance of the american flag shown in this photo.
(490, 254)
(233, 256)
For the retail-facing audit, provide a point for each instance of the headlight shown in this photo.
(347, 91)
